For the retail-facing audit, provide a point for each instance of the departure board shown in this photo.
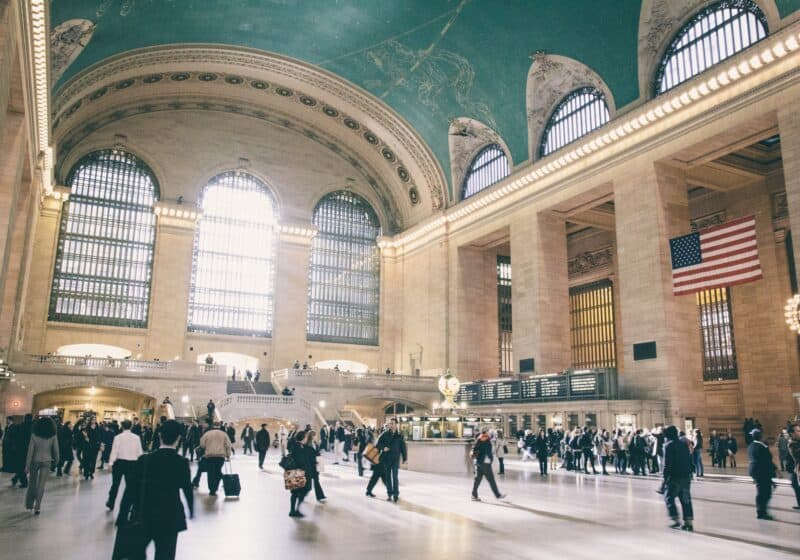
(583, 384)
(536, 388)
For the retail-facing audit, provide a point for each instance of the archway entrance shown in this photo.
(107, 403)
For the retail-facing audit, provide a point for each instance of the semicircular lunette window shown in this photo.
(104, 260)
(233, 266)
(712, 35)
(578, 114)
(344, 273)
(486, 169)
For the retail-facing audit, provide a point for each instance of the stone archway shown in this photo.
(111, 403)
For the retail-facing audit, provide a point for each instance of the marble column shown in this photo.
(540, 291)
(291, 295)
(170, 287)
(652, 206)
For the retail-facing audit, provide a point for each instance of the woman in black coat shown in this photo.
(311, 450)
(302, 460)
(541, 448)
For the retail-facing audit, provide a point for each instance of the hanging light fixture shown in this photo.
(792, 312)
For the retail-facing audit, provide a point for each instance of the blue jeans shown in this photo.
(698, 462)
(390, 477)
(679, 488)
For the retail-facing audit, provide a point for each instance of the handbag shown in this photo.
(294, 479)
(372, 454)
(288, 462)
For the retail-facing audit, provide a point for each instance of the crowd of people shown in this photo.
(154, 462)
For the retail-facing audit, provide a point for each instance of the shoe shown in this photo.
(675, 524)
(501, 497)
(212, 493)
(795, 507)
(295, 514)
(766, 517)
(36, 512)
(110, 506)
(688, 528)
(322, 500)
(475, 498)
(388, 498)
(395, 499)
(370, 495)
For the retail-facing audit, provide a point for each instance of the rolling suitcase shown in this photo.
(230, 483)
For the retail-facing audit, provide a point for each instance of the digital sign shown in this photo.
(586, 384)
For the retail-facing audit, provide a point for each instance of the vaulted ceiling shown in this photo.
(430, 60)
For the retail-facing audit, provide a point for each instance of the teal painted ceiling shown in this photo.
(430, 60)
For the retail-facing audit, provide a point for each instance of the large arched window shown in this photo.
(712, 35)
(104, 261)
(488, 167)
(344, 273)
(232, 269)
(578, 114)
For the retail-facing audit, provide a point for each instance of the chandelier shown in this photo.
(792, 312)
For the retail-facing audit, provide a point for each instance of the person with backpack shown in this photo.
(483, 456)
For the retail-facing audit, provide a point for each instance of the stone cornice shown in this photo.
(753, 74)
(291, 72)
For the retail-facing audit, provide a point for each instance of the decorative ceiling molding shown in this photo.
(390, 129)
(71, 142)
(550, 79)
(466, 138)
(67, 41)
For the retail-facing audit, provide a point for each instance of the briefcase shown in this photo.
(294, 479)
(230, 484)
(129, 541)
(372, 454)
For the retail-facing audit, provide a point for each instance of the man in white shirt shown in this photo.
(125, 451)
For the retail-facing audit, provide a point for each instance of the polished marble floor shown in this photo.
(564, 516)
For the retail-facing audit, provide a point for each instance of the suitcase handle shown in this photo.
(227, 467)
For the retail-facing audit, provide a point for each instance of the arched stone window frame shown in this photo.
(659, 24)
(551, 124)
(318, 265)
(205, 327)
(468, 138)
(103, 302)
(550, 79)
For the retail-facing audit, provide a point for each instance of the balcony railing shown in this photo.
(75, 364)
(333, 378)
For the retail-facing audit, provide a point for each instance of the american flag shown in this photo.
(715, 257)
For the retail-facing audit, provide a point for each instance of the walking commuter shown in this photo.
(164, 475)
(231, 431)
(361, 443)
(677, 479)
(697, 454)
(339, 439)
(190, 440)
(733, 448)
(553, 446)
(500, 449)
(283, 439)
(540, 447)
(794, 464)
(762, 471)
(64, 435)
(262, 444)
(247, 438)
(42, 453)
(301, 461)
(312, 453)
(620, 448)
(393, 448)
(20, 441)
(586, 443)
(107, 440)
(216, 446)
(482, 454)
(90, 446)
(603, 448)
(126, 448)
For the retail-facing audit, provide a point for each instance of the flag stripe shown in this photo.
(727, 230)
(721, 273)
(716, 257)
(730, 281)
(712, 262)
(732, 265)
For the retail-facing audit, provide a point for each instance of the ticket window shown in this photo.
(626, 422)
(512, 425)
(526, 422)
(591, 420)
(573, 421)
(541, 422)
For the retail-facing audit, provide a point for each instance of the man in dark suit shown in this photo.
(165, 474)
(262, 444)
(762, 471)
(393, 448)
